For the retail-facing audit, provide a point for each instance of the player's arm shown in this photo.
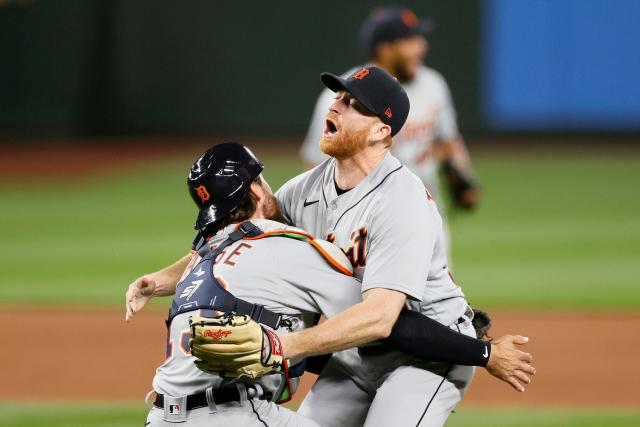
(370, 320)
(160, 283)
(455, 150)
(420, 336)
(450, 144)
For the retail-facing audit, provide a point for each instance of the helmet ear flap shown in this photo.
(220, 179)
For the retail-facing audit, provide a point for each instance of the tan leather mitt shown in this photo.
(234, 346)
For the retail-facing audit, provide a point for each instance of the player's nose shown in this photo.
(336, 106)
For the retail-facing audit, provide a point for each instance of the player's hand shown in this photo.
(510, 364)
(138, 294)
(470, 198)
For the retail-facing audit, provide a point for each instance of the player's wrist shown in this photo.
(285, 344)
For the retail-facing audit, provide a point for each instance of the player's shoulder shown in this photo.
(401, 177)
(430, 73)
(296, 246)
(305, 181)
(427, 76)
(401, 190)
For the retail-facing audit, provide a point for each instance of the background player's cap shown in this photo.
(386, 24)
(378, 91)
(219, 180)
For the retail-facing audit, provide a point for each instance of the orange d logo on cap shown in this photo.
(361, 74)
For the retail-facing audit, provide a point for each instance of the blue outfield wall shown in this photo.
(561, 65)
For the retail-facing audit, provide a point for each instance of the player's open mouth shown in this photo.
(330, 128)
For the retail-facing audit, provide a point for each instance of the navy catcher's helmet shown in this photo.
(219, 180)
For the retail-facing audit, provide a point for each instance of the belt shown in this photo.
(199, 400)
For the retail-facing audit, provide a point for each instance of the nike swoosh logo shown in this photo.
(310, 203)
(486, 352)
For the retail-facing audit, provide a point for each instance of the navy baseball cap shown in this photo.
(377, 90)
(386, 24)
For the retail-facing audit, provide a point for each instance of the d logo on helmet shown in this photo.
(202, 193)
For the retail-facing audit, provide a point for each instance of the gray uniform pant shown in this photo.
(409, 396)
(253, 413)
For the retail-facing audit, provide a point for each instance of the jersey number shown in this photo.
(185, 335)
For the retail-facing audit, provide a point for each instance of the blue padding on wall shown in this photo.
(562, 65)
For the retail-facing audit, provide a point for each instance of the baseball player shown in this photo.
(394, 39)
(289, 281)
(370, 205)
(226, 184)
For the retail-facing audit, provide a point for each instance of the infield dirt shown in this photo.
(93, 355)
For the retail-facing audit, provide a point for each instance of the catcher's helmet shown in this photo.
(219, 180)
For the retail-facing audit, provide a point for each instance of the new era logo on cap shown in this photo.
(388, 112)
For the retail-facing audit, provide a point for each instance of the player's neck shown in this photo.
(351, 171)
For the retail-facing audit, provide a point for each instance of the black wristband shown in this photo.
(315, 364)
(420, 336)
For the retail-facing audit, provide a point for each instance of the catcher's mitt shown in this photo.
(481, 323)
(463, 188)
(235, 346)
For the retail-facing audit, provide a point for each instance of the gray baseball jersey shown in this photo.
(390, 228)
(286, 276)
(432, 118)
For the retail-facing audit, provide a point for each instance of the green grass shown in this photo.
(538, 417)
(92, 415)
(552, 232)
(71, 415)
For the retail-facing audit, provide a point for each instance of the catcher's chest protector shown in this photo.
(200, 290)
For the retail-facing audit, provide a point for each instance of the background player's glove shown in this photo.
(463, 188)
(481, 323)
(235, 346)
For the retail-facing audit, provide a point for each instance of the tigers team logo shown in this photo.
(357, 251)
(361, 74)
(203, 193)
(409, 18)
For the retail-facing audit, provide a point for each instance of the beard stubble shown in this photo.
(345, 144)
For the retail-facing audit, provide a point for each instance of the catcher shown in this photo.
(245, 280)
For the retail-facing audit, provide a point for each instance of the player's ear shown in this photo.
(379, 132)
(256, 190)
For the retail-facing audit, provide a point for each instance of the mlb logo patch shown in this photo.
(174, 409)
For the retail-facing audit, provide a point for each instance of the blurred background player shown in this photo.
(395, 40)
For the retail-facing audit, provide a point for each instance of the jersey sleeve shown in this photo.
(446, 125)
(313, 285)
(310, 150)
(402, 239)
(285, 197)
